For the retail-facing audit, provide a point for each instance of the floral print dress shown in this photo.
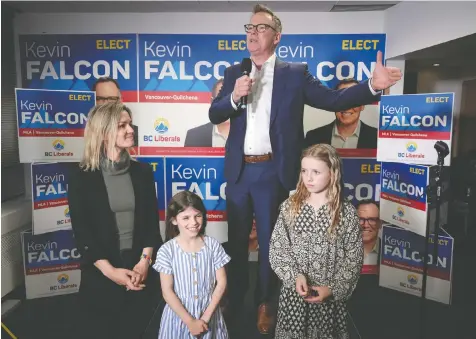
(302, 245)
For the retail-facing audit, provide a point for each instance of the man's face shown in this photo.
(107, 92)
(349, 116)
(262, 43)
(370, 222)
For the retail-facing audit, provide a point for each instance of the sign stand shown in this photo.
(435, 187)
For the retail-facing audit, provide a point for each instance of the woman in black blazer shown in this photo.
(114, 216)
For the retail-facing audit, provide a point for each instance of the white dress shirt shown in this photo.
(218, 139)
(257, 140)
(258, 109)
(339, 141)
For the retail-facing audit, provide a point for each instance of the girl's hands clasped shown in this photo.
(323, 292)
(197, 327)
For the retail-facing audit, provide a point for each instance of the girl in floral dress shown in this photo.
(316, 250)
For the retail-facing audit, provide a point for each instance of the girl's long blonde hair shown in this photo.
(329, 155)
(101, 132)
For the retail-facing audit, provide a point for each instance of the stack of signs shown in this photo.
(404, 200)
(51, 262)
(51, 258)
(402, 263)
(409, 127)
(50, 197)
(51, 124)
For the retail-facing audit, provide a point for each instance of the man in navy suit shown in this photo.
(209, 135)
(347, 131)
(262, 153)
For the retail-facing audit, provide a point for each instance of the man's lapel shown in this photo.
(279, 87)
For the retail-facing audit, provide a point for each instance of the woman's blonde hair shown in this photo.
(329, 155)
(101, 132)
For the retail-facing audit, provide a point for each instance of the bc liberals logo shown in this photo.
(400, 211)
(66, 212)
(411, 146)
(58, 144)
(412, 279)
(63, 278)
(161, 126)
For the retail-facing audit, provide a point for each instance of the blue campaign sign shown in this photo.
(203, 176)
(50, 181)
(50, 250)
(361, 179)
(409, 115)
(75, 61)
(157, 165)
(405, 181)
(53, 113)
(405, 250)
(184, 67)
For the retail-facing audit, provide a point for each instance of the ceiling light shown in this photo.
(436, 65)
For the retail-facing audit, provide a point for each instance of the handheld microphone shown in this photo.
(245, 70)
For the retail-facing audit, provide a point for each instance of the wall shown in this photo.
(411, 26)
(440, 80)
(205, 23)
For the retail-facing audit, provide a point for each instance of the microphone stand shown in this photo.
(436, 187)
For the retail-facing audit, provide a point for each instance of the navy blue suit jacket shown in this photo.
(293, 87)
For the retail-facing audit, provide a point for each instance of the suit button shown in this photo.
(86, 248)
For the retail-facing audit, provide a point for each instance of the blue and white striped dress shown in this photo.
(194, 283)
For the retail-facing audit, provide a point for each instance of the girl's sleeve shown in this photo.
(163, 261)
(280, 253)
(220, 258)
(350, 258)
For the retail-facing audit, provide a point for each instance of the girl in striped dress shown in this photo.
(192, 273)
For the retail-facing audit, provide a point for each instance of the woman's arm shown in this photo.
(216, 296)
(151, 229)
(84, 234)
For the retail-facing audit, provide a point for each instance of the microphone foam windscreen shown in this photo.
(246, 66)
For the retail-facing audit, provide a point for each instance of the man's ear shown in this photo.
(277, 39)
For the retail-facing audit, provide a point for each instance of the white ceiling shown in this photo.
(193, 6)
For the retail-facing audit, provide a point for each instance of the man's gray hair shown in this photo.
(264, 9)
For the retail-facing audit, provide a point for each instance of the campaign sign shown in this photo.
(203, 176)
(361, 179)
(402, 260)
(51, 262)
(403, 199)
(182, 68)
(76, 61)
(158, 167)
(51, 124)
(411, 124)
(361, 182)
(50, 197)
